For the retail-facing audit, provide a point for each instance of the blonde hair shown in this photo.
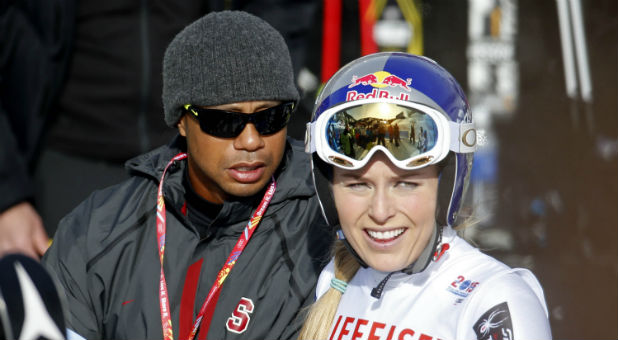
(322, 313)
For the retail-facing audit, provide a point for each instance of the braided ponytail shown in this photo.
(322, 313)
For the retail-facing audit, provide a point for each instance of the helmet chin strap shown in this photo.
(348, 246)
(417, 266)
(427, 254)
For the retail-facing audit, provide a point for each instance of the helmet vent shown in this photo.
(341, 161)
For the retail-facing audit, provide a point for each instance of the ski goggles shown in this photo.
(412, 135)
(229, 124)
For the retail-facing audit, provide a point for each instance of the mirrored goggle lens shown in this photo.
(229, 124)
(405, 132)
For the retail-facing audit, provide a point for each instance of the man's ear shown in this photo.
(182, 126)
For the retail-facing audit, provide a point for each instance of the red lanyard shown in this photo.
(213, 295)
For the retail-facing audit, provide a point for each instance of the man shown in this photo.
(179, 250)
(80, 94)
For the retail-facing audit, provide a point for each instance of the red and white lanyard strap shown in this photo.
(207, 308)
(166, 320)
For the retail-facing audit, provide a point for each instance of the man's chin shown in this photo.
(247, 189)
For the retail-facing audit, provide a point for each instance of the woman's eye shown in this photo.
(406, 184)
(356, 185)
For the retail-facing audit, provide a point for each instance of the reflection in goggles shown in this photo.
(404, 131)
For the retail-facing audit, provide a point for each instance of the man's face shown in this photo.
(239, 166)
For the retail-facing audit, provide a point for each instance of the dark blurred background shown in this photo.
(545, 179)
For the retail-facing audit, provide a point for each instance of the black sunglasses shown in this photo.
(229, 124)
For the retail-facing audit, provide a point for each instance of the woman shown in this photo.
(400, 271)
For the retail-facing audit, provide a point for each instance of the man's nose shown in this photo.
(249, 139)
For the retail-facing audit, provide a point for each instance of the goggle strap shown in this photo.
(309, 138)
(463, 138)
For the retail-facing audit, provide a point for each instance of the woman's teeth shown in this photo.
(385, 235)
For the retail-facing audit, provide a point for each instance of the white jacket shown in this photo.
(465, 294)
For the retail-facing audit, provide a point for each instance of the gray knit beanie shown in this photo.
(225, 57)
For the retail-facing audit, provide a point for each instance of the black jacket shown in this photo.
(105, 255)
(72, 84)
(35, 42)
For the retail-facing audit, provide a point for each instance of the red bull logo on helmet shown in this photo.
(381, 80)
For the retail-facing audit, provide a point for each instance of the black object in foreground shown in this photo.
(31, 306)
